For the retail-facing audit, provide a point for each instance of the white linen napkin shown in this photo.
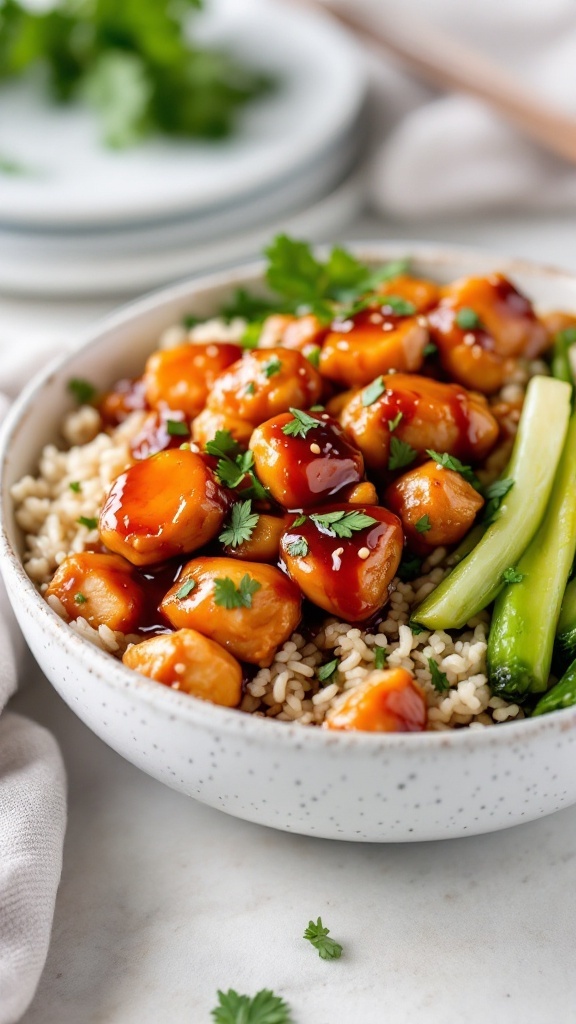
(448, 154)
(32, 813)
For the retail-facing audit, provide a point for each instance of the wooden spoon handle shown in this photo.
(440, 59)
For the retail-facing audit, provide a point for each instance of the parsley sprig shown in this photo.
(423, 524)
(263, 1008)
(228, 595)
(318, 935)
(439, 679)
(300, 424)
(234, 465)
(298, 547)
(451, 462)
(401, 454)
(240, 525)
(342, 524)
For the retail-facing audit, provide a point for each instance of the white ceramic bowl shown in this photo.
(360, 787)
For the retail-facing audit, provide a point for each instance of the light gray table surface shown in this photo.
(163, 900)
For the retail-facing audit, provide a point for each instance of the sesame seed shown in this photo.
(363, 553)
(315, 448)
(180, 668)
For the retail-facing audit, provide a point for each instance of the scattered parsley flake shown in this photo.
(342, 524)
(298, 548)
(510, 575)
(410, 568)
(88, 521)
(250, 388)
(317, 934)
(430, 349)
(451, 462)
(439, 679)
(416, 628)
(263, 1008)
(313, 356)
(240, 525)
(75, 486)
(228, 595)
(398, 305)
(251, 336)
(373, 391)
(82, 390)
(401, 454)
(494, 494)
(79, 598)
(299, 521)
(176, 428)
(234, 464)
(380, 657)
(189, 321)
(392, 424)
(300, 424)
(468, 319)
(185, 589)
(317, 408)
(272, 366)
(423, 524)
(325, 672)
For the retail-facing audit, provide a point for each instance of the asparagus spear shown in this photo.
(477, 579)
(566, 631)
(563, 695)
(526, 613)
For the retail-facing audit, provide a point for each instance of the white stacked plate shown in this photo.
(84, 220)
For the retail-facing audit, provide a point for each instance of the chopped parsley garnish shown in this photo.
(299, 521)
(88, 521)
(79, 598)
(342, 524)
(251, 335)
(263, 1008)
(185, 589)
(468, 319)
(75, 486)
(439, 679)
(250, 388)
(245, 306)
(241, 524)
(380, 657)
(234, 464)
(392, 424)
(325, 672)
(176, 428)
(494, 494)
(416, 628)
(82, 390)
(401, 454)
(298, 548)
(373, 391)
(451, 462)
(423, 524)
(300, 424)
(313, 356)
(317, 408)
(189, 321)
(272, 367)
(398, 305)
(510, 575)
(228, 595)
(430, 349)
(317, 934)
(410, 568)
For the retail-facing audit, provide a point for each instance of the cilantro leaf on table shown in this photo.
(240, 525)
(263, 1008)
(401, 454)
(318, 935)
(451, 462)
(342, 524)
(228, 595)
(134, 62)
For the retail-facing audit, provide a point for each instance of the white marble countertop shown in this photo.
(163, 901)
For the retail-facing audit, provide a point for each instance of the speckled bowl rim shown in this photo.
(170, 703)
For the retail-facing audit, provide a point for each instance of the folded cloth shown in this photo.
(450, 154)
(32, 824)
